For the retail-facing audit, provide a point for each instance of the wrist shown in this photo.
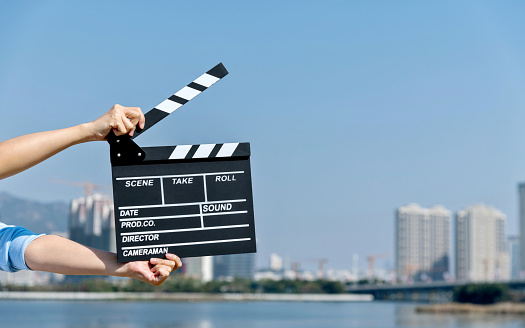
(122, 270)
(83, 132)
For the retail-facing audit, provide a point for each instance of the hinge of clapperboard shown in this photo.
(124, 151)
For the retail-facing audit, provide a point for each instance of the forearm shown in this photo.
(60, 255)
(19, 154)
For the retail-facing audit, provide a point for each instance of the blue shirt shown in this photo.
(13, 243)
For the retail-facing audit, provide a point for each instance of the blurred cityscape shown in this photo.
(431, 245)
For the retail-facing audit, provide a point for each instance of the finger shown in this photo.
(137, 118)
(142, 120)
(173, 257)
(162, 272)
(119, 128)
(130, 127)
(159, 280)
(127, 122)
(168, 263)
(160, 267)
(133, 113)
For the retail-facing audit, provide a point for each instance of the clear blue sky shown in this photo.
(353, 108)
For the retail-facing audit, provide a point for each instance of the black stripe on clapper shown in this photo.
(152, 117)
(218, 71)
(243, 149)
(197, 86)
(192, 151)
(215, 150)
(158, 153)
(177, 99)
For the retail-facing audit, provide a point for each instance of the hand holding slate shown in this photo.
(20, 153)
(121, 120)
(60, 255)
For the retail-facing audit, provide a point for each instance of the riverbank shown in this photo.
(498, 308)
(184, 297)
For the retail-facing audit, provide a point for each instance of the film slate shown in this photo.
(189, 200)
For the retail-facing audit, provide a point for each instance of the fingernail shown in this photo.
(153, 261)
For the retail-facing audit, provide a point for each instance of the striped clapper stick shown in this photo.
(190, 200)
(184, 95)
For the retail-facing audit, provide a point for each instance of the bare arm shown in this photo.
(60, 255)
(20, 153)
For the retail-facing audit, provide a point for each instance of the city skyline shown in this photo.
(352, 109)
(91, 221)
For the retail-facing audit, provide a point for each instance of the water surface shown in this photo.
(127, 314)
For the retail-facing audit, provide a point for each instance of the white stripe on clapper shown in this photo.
(204, 151)
(206, 80)
(180, 152)
(187, 93)
(227, 149)
(168, 106)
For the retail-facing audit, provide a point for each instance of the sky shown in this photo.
(352, 108)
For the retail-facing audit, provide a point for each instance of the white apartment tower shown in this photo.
(91, 222)
(198, 268)
(422, 242)
(481, 253)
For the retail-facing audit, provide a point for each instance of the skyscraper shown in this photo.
(276, 263)
(422, 242)
(198, 267)
(91, 222)
(234, 266)
(513, 247)
(481, 252)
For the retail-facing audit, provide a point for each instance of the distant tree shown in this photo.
(481, 293)
(331, 287)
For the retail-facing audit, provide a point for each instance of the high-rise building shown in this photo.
(198, 267)
(481, 252)
(91, 222)
(521, 200)
(276, 263)
(422, 242)
(234, 266)
(513, 247)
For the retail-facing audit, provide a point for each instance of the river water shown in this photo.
(128, 314)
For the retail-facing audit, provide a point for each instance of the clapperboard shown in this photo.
(189, 200)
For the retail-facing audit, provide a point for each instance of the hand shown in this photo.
(119, 119)
(155, 271)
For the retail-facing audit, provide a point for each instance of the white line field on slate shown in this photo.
(182, 216)
(191, 243)
(182, 204)
(180, 175)
(185, 230)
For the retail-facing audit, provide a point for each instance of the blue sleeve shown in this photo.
(13, 243)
